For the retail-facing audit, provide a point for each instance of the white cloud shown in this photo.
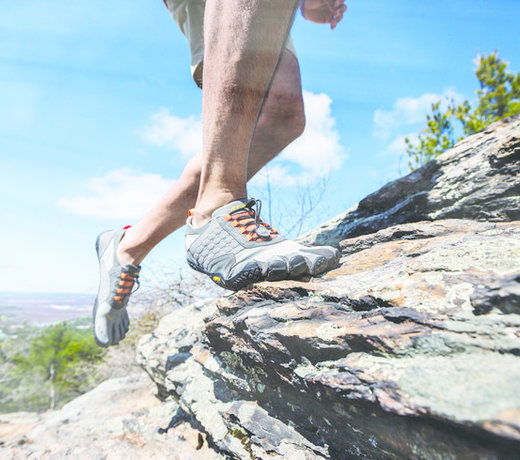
(274, 173)
(174, 133)
(119, 194)
(408, 111)
(314, 155)
(398, 145)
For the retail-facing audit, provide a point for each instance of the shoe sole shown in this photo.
(277, 270)
(251, 273)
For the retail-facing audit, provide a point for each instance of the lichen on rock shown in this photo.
(409, 349)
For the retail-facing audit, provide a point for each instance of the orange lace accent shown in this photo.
(126, 283)
(249, 224)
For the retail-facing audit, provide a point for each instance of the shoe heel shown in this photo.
(102, 240)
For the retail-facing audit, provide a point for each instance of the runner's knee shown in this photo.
(284, 115)
(295, 118)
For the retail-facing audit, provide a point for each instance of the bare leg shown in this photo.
(243, 42)
(281, 121)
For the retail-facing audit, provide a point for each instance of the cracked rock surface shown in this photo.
(478, 179)
(409, 349)
(121, 419)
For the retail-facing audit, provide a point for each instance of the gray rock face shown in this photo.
(198, 382)
(478, 179)
(503, 295)
(409, 349)
(120, 419)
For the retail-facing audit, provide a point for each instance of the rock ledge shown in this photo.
(409, 349)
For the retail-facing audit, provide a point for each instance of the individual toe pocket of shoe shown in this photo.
(126, 321)
(317, 264)
(114, 334)
(122, 330)
(321, 258)
(276, 269)
(297, 266)
(102, 326)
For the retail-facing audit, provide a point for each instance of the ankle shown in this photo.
(207, 205)
(199, 219)
(127, 253)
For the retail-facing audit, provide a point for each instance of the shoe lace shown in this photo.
(126, 284)
(249, 223)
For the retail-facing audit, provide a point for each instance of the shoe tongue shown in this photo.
(230, 207)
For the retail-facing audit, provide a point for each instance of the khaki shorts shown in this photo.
(189, 15)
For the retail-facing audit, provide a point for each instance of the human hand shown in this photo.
(324, 11)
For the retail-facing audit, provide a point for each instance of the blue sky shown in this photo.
(98, 115)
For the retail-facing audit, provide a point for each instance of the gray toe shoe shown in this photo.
(236, 248)
(110, 317)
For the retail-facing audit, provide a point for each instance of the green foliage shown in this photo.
(53, 367)
(55, 349)
(435, 138)
(498, 97)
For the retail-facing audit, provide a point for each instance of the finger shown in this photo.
(340, 10)
(338, 16)
(331, 5)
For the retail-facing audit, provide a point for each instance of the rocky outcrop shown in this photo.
(121, 419)
(477, 180)
(409, 349)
